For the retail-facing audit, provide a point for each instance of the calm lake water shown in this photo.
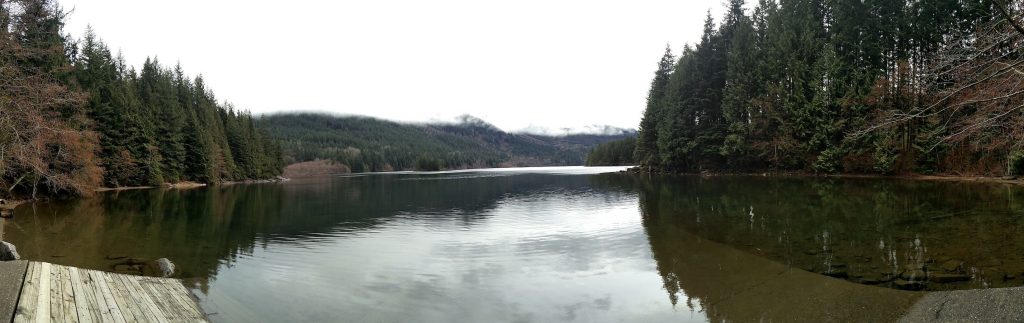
(548, 244)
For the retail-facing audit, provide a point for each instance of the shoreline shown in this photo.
(9, 205)
(190, 185)
(1011, 180)
(175, 186)
(277, 179)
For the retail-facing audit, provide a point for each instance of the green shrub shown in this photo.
(828, 161)
(1015, 163)
(885, 160)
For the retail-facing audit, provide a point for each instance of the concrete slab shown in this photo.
(12, 273)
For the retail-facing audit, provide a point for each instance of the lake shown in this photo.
(568, 244)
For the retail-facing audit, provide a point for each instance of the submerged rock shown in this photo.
(952, 266)
(908, 284)
(948, 278)
(869, 281)
(128, 269)
(875, 279)
(837, 273)
(915, 275)
(8, 252)
(138, 261)
(159, 268)
(990, 262)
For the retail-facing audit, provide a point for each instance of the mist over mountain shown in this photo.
(605, 130)
(368, 144)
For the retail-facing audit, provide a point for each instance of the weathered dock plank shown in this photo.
(83, 298)
(160, 299)
(26, 311)
(153, 314)
(107, 296)
(55, 293)
(128, 308)
(43, 299)
(56, 299)
(67, 301)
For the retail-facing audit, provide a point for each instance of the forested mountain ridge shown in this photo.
(75, 117)
(613, 153)
(369, 144)
(874, 86)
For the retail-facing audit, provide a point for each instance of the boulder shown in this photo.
(8, 252)
(158, 268)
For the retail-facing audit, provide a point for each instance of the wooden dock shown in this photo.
(55, 293)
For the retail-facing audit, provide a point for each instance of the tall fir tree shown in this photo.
(647, 140)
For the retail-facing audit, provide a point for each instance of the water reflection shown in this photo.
(730, 285)
(899, 234)
(505, 247)
(559, 244)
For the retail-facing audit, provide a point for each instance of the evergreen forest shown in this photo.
(76, 117)
(613, 153)
(843, 86)
(368, 145)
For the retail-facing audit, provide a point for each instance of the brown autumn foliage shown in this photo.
(981, 100)
(973, 101)
(43, 144)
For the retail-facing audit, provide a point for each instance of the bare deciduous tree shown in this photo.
(973, 95)
(41, 143)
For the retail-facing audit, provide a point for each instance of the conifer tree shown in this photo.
(647, 140)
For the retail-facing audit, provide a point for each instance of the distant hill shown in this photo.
(367, 144)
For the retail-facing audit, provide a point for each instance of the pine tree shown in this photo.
(647, 140)
(743, 83)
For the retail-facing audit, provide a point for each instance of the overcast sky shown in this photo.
(517, 64)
